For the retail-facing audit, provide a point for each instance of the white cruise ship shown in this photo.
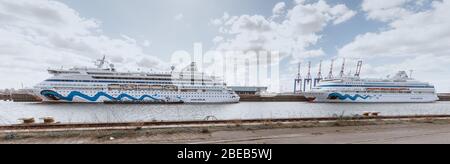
(398, 89)
(105, 85)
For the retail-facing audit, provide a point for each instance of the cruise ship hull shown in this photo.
(106, 85)
(93, 96)
(353, 97)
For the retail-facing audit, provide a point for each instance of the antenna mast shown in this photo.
(193, 69)
(319, 74)
(341, 75)
(358, 68)
(309, 71)
(101, 62)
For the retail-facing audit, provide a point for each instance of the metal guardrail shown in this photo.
(204, 122)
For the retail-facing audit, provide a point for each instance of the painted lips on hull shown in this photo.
(51, 95)
(356, 98)
(55, 96)
(73, 96)
(335, 96)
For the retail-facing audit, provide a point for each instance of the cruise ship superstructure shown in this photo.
(98, 85)
(398, 89)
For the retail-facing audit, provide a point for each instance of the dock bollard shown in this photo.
(366, 114)
(375, 114)
(29, 120)
(208, 118)
(372, 114)
(48, 120)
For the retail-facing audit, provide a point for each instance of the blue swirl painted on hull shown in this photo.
(56, 96)
(347, 96)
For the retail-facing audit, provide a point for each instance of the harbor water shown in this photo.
(94, 113)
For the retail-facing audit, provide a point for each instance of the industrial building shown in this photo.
(249, 90)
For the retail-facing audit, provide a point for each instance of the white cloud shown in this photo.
(36, 35)
(146, 43)
(128, 39)
(342, 14)
(218, 39)
(178, 17)
(418, 40)
(301, 2)
(294, 33)
(315, 53)
(385, 10)
(279, 8)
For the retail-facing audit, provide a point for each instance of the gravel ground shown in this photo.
(379, 132)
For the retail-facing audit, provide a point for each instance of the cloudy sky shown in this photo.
(389, 35)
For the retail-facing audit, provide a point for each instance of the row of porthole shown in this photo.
(139, 82)
(68, 88)
(154, 93)
(78, 81)
(77, 85)
(115, 95)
